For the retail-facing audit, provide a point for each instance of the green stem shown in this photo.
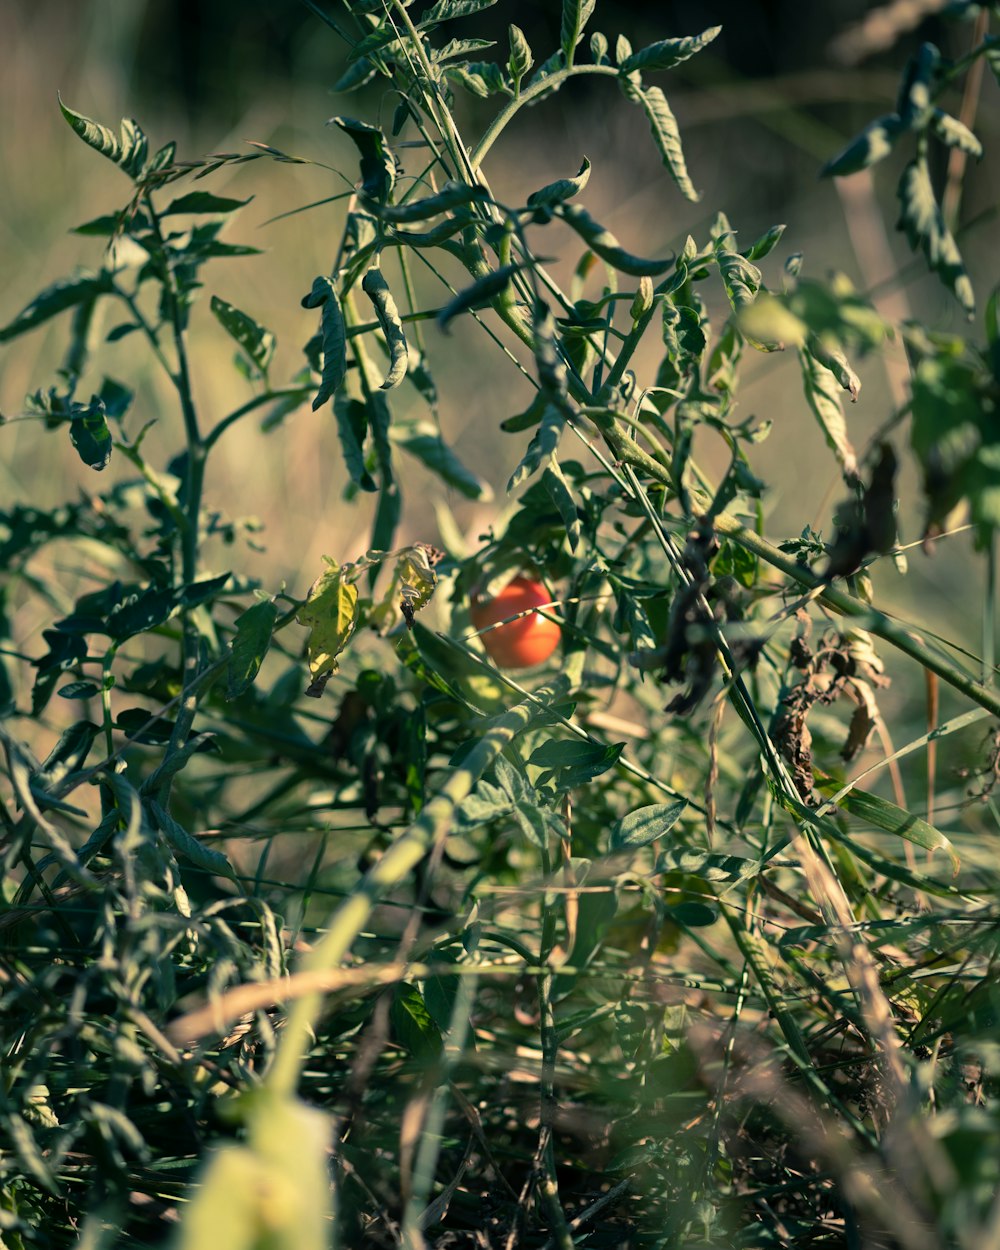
(549, 83)
(258, 401)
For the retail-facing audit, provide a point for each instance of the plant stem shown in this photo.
(549, 83)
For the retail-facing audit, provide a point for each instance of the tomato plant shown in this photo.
(579, 959)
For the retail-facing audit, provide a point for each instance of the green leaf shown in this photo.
(191, 848)
(604, 244)
(823, 396)
(357, 74)
(452, 195)
(376, 288)
(892, 819)
(422, 440)
(89, 433)
(203, 202)
(482, 78)
(765, 244)
(79, 690)
(447, 10)
(482, 292)
(669, 52)
(707, 867)
(352, 426)
(575, 16)
(921, 218)
(520, 60)
(65, 652)
(378, 169)
(645, 825)
(333, 335)
(693, 915)
(543, 444)
(254, 628)
(555, 483)
(665, 132)
(128, 151)
(460, 48)
(741, 278)
(412, 1026)
(564, 189)
(57, 298)
(874, 144)
(255, 341)
(576, 761)
(139, 613)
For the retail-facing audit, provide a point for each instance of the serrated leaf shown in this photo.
(56, 298)
(333, 334)
(448, 10)
(254, 628)
(645, 825)
(376, 288)
(575, 16)
(666, 133)
(460, 47)
(564, 189)
(872, 145)
(422, 440)
(252, 337)
(330, 615)
(669, 52)
(378, 169)
(823, 396)
(604, 244)
(921, 218)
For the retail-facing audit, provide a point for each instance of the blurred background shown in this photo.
(778, 93)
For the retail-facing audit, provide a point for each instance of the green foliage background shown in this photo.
(637, 949)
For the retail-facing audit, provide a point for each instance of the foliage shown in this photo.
(621, 954)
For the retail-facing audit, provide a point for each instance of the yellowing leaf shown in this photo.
(331, 612)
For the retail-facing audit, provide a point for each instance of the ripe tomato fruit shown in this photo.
(526, 641)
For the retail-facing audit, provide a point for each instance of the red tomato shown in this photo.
(526, 641)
